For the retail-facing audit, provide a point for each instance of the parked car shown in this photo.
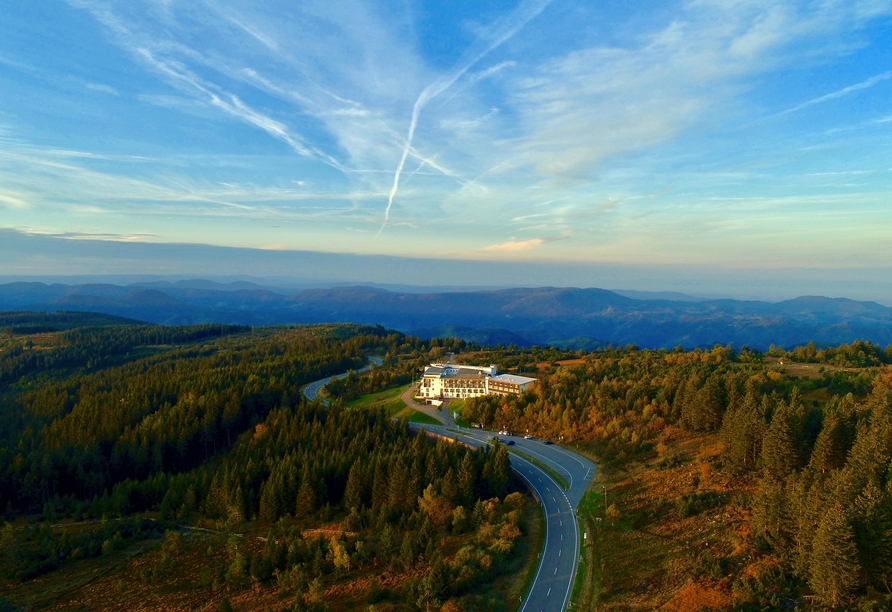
(548, 442)
(528, 437)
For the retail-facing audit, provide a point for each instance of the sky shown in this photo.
(738, 136)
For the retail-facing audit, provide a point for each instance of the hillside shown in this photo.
(729, 481)
(166, 468)
(576, 318)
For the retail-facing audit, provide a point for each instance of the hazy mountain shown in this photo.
(675, 296)
(583, 318)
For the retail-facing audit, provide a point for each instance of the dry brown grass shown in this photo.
(113, 582)
(652, 558)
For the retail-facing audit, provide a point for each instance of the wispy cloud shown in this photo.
(489, 39)
(102, 88)
(513, 245)
(866, 84)
(12, 201)
(529, 132)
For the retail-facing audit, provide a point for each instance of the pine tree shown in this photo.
(829, 450)
(770, 518)
(379, 486)
(466, 478)
(834, 561)
(306, 496)
(872, 526)
(396, 492)
(270, 500)
(498, 465)
(386, 544)
(779, 456)
(353, 489)
(407, 552)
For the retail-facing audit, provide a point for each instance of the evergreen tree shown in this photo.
(306, 496)
(498, 466)
(872, 527)
(779, 456)
(829, 450)
(466, 477)
(353, 489)
(834, 562)
(770, 519)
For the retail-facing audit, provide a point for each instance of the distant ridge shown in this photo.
(579, 318)
(672, 296)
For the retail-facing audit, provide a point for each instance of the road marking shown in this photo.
(549, 592)
(555, 570)
(561, 550)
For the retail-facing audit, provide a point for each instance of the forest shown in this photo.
(189, 455)
(785, 455)
(184, 463)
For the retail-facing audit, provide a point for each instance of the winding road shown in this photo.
(311, 391)
(550, 591)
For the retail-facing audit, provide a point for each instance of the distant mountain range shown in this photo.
(579, 318)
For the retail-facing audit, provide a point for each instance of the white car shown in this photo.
(503, 432)
(528, 437)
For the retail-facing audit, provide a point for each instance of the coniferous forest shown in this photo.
(182, 468)
(760, 481)
(186, 462)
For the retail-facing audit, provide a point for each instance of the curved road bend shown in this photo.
(311, 391)
(550, 591)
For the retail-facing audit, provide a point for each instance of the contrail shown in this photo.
(837, 94)
(496, 35)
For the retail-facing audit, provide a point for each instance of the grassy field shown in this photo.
(648, 556)
(389, 399)
(415, 416)
(457, 405)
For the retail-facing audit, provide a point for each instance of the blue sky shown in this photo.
(739, 135)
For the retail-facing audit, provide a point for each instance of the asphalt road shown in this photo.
(311, 391)
(550, 591)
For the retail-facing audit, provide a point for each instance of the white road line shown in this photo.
(551, 461)
(544, 548)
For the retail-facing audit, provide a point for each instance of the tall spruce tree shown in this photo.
(835, 569)
(306, 495)
(353, 488)
(779, 454)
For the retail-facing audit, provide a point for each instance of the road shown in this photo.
(311, 391)
(550, 591)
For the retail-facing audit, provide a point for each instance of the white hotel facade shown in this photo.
(448, 381)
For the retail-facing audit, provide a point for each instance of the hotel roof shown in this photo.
(451, 371)
(513, 379)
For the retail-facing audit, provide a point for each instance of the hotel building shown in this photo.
(448, 381)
